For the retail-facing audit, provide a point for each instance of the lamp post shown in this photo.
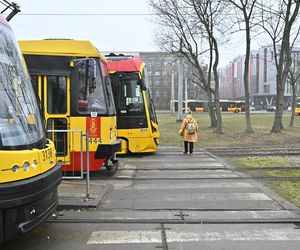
(180, 84)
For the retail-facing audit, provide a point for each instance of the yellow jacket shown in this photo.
(183, 130)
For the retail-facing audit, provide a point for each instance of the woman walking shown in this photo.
(189, 130)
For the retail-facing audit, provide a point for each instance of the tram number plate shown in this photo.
(47, 154)
(94, 140)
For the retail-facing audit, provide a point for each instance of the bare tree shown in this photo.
(184, 32)
(246, 8)
(209, 13)
(179, 35)
(277, 19)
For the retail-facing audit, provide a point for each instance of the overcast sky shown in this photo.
(107, 32)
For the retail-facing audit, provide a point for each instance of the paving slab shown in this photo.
(233, 237)
(122, 215)
(72, 194)
(186, 174)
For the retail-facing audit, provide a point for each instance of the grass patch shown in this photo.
(262, 162)
(283, 173)
(234, 131)
(288, 190)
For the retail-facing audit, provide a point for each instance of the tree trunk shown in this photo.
(211, 107)
(293, 106)
(218, 129)
(217, 95)
(277, 125)
(246, 77)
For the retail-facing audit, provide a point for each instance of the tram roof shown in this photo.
(57, 47)
(127, 65)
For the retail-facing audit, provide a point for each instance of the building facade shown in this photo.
(161, 68)
(262, 78)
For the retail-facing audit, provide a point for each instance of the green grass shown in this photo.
(262, 162)
(234, 131)
(288, 190)
(283, 173)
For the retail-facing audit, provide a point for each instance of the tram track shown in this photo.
(290, 220)
(205, 178)
(253, 151)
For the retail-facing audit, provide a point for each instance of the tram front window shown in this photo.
(129, 101)
(91, 97)
(20, 120)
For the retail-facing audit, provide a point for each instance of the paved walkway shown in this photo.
(168, 200)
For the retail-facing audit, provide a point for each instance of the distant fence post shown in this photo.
(87, 166)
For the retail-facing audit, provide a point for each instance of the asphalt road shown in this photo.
(169, 200)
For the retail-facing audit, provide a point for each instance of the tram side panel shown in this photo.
(29, 173)
(80, 114)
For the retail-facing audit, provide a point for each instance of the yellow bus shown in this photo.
(297, 108)
(71, 79)
(29, 174)
(136, 119)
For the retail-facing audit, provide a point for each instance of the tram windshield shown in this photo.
(149, 99)
(20, 119)
(128, 95)
(91, 96)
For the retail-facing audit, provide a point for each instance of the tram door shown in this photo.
(55, 100)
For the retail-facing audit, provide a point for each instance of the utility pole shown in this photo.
(180, 84)
(185, 93)
(172, 109)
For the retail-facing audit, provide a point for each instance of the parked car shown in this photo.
(289, 109)
(271, 108)
(252, 108)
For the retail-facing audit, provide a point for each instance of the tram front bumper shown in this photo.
(105, 150)
(27, 203)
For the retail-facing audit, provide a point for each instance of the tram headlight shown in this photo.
(26, 166)
(15, 168)
(34, 164)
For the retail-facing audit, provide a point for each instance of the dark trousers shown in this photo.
(191, 146)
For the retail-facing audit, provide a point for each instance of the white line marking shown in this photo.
(214, 197)
(194, 185)
(124, 237)
(246, 235)
(135, 237)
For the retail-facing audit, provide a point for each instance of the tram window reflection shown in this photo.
(56, 95)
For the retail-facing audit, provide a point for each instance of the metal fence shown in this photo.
(73, 153)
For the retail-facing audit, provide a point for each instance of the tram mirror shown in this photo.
(87, 72)
(142, 84)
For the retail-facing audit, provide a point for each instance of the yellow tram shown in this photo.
(29, 174)
(136, 119)
(71, 79)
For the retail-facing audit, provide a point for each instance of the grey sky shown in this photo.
(107, 32)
